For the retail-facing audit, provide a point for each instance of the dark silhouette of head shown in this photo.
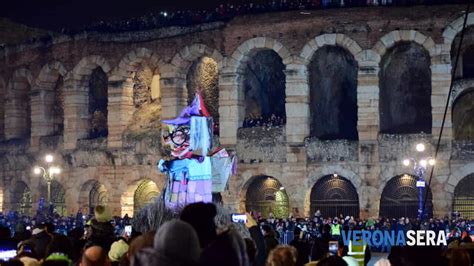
(201, 216)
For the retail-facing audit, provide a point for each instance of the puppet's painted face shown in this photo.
(177, 139)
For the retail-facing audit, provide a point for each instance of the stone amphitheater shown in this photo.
(358, 88)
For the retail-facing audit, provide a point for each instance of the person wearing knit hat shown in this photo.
(102, 232)
(175, 244)
(57, 259)
(102, 214)
(117, 250)
(39, 241)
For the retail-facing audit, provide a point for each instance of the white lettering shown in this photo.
(442, 239)
(430, 238)
(420, 237)
(411, 238)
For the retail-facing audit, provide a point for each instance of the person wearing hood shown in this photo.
(175, 244)
(39, 241)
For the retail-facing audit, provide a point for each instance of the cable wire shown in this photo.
(453, 73)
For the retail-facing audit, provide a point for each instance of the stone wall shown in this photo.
(130, 151)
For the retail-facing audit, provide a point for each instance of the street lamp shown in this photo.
(48, 172)
(419, 169)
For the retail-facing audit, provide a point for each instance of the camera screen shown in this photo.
(7, 254)
(239, 218)
(333, 246)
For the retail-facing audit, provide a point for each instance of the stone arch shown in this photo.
(187, 55)
(334, 195)
(187, 61)
(456, 176)
(254, 85)
(400, 198)
(147, 191)
(463, 115)
(92, 193)
(77, 98)
(127, 199)
(86, 65)
(405, 82)
(455, 27)
(463, 197)
(131, 62)
(135, 83)
(231, 94)
(332, 80)
(329, 39)
(264, 194)
(465, 67)
(2, 108)
(459, 87)
(48, 101)
(17, 109)
(21, 198)
(58, 196)
(244, 52)
(392, 38)
(316, 174)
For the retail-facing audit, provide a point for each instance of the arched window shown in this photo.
(21, 199)
(203, 75)
(333, 195)
(92, 194)
(463, 116)
(264, 89)
(405, 90)
(58, 107)
(147, 191)
(333, 83)
(400, 198)
(266, 195)
(58, 196)
(468, 62)
(463, 201)
(98, 99)
(18, 109)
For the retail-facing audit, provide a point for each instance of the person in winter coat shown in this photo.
(102, 232)
(39, 242)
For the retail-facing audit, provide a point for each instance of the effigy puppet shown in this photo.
(194, 172)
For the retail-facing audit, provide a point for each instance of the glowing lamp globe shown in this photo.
(49, 158)
(420, 147)
(406, 162)
(423, 163)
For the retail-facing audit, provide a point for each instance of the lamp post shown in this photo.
(48, 172)
(419, 169)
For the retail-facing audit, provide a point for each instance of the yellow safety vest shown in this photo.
(335, 229)
(357, 252)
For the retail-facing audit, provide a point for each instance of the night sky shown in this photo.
(73, 14)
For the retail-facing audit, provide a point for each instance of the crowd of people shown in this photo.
(194, 238)
(228, 11)
(313, 228)
(271, 121)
